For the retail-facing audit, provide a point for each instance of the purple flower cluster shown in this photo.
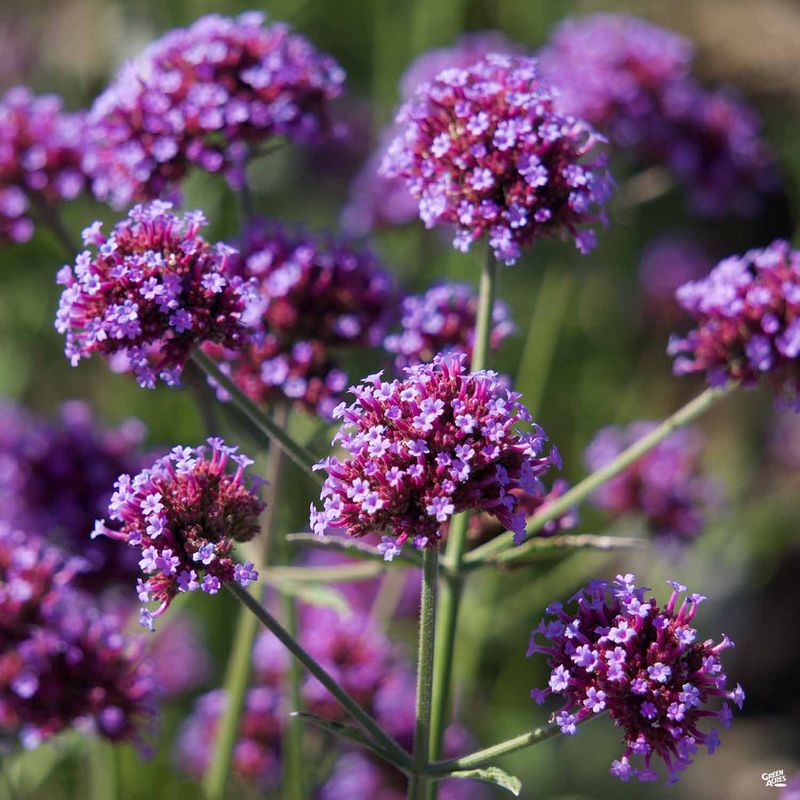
(484, 149)
(442, 320)
(185, 514)
(153, 289)
(747, 312)
(376, 200)
(41, 147)
(62, 663)
(424, 448)
(667, 263)
(203, 96)
(630, 79)
(312, 294)
(618, 651)
(664, 486)
(56, 478)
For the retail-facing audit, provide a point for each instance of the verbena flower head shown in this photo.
(56, 479)
(442, 320)
(747, 313)
(185, 514)
(41, 147)
(151, 291)
(630, 79)
(424, 448)
(201, 96)
(272, 369)
(377, 200)
(316, 287)
(665, 485)
(666, 264)
(483, 149)
(617, 650)
(63, 663)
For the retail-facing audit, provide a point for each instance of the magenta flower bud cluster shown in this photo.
(747, 315)
(312, 294)
(185, 514)
(483, 149)
(41, 147)
(151, 291)
(202, 96)
(378, 201)
(63, 664)
(619, 651)
(443, 320)
(56, 479)
(631, 80)
(665, 486)
(422, 449)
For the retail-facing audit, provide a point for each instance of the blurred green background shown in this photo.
(585, 353)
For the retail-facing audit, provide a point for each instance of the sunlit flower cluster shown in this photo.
(484, 149)
(41, 147)
(747, 312)
(619, 651)
(151, 291)
(422, 449)
(202, 96)
(185, 514)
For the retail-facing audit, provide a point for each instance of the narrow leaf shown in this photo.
(354, 548)
(493, 775)
(315, 594)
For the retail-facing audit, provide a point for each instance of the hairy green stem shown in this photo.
(237, 672)
(457, 539)
(582, 490)
(399, 756)
(292, 739)
(263, 421)
(418, 785)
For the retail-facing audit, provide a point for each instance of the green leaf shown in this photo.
(354, 548)
(493, 775)
(355, 735)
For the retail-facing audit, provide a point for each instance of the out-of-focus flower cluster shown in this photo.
(619, 651)
(376, 200)
(747, 312)
(152, 290)
(442, 320)
(203, 96)
(185, 514)
(665, 486)
(631, 80)
(366, 664)
(63, 663)
(666, 264)
(484, 149)
(312, 294)
(424, 448)
(41, 148)
(56, 479)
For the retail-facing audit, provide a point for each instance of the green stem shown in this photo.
(418, 785)
(457, 538)
(293, 764)
(582, 490)
(103, 778)
(237, 672)
(400, 757)
(484, 758)
(266, 424)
